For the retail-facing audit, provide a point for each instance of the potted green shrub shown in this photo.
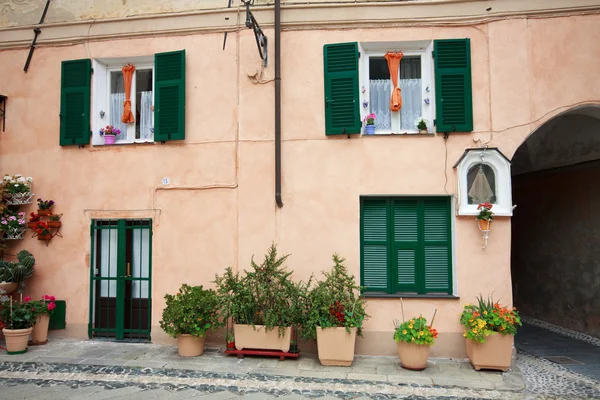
(17, 319)
(260, 303)
(13, 274)
(414, 337)
(188, 316)
(335, 314)
(422, 126)
(489, 331)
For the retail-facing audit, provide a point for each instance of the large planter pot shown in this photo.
(336, 346)
(8, 287)
(413, 356)
(39, 335)
(258, 337)
(190, 346)
(16, 340)
(495, 353)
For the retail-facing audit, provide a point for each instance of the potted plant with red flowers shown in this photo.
(18, 319)
(485, 217)
(230, 340)
(43, 231)
(33, 220)
(44, 207)
(43, 309)
(489, 331)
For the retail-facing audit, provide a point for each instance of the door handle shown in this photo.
(128, 270)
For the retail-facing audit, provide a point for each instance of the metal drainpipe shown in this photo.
(278, 199)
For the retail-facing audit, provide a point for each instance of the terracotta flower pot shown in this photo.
(484, 224)
(54, 224)
(258, 337)
(8, 287)
(189, 346)
(336, 346)
(494, 353)
(16, 340)
(44, 237)
(45, 212)
(413, 356)
(39, 335)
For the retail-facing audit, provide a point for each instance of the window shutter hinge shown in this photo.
(359, 54)
(435, 122)
(433, 54)
(92, 70)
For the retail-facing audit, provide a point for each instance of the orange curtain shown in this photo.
(393, 61)
(127, 78)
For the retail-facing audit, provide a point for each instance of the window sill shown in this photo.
(124, 143)
(409, 296)
(408, 134)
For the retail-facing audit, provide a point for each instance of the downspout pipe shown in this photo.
(278, 199)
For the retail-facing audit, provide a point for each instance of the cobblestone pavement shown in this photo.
(100, 370)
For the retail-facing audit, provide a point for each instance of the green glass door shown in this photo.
(120, 283)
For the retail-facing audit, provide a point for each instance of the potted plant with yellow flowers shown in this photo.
(489, 330)
(414, 338)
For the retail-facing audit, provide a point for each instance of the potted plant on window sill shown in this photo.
(18, 319)
(335, 315)
(260, 303)
(109, 133)
(422, 126)
(43, 309)
(414, 338)
(13, 274)
(370, 124)
(188, 316)
(489, 332)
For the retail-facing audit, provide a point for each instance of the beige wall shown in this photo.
(219, 208)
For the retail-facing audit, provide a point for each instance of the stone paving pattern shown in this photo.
(73, 369)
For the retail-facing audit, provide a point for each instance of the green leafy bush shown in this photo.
(264, 295)
(334, 302)
(22, 315)
(192, 311)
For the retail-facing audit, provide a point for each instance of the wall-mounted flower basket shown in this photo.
(49, 227)
(44, 213)
(17, 190)
(54, 224)
(17, 199)
(14, 234)
(47, 236)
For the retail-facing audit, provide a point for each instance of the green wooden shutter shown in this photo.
(75, 102)
(437, 248)
(374, 245)
(342, 115)
(169, 96)
(454, 97)
(406, 254)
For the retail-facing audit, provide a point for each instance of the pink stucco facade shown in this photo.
(219, 208)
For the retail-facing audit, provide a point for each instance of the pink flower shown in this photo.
(51, 306)
(26, 299)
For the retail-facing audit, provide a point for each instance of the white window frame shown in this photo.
(101, 95)
(501, 168)
(422, 48)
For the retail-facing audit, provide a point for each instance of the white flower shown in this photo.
(16, 185)
(18, 175)
(29, 179)
(21, 180)
(7, 178)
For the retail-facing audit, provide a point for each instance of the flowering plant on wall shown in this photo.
(17, 184)
(485, 212)
(44, 204)
(12, 225)
(42, 229)
(487, 317)
(109, 130)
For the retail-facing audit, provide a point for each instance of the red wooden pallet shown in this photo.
(272, 353)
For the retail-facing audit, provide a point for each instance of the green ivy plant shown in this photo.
(334, 302)
(263, 295)
(192, 311)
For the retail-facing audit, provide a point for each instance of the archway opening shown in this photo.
(555, 260)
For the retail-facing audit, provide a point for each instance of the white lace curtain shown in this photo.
(380, 91)
(145, 116)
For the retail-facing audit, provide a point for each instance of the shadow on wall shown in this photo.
(555, 260)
